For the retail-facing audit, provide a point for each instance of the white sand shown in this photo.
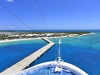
(13, 40)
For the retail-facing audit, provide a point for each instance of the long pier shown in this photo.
(28, 60)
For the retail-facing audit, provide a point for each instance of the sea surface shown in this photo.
(12, 52)
(83, 52)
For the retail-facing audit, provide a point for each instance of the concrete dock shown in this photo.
(28, 60)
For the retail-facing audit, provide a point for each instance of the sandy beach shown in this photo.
(13, 40)
(7, 40)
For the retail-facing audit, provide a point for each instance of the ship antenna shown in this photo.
(59, 55)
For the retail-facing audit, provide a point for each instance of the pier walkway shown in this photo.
(28, 60)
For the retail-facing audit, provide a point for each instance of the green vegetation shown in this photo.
(79, 33)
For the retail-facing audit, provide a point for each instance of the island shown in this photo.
(5, 35)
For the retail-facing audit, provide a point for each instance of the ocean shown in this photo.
(12, 52)
(83, 52)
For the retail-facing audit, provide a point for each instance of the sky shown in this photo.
(49, 14)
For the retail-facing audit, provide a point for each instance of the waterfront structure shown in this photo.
(28, 60)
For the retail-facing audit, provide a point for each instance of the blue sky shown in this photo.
(58, 14)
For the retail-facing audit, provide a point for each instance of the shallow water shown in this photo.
(12, 52)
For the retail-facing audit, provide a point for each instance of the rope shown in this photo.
(15, 16)
(37, 7)
(39, 10)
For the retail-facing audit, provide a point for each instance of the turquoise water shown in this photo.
(83, 52)
(12, 52)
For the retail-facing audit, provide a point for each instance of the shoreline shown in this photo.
(87, 34)
(14, 40)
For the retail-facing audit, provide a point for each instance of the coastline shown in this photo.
(87, 34)
(14, 40)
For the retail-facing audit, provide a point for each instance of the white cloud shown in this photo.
(10, 0)
(11, 27)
